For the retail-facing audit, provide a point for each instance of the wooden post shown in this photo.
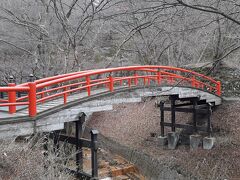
(162, 117)
(209, 125)
(194, 115)
(78, 135)
(56, 143)
(94, 148)
(173, 112)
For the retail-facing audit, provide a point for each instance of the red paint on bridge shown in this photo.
(50, 88)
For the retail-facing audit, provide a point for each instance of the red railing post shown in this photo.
(136, 79)
(144, 80)
(32, 107)
(129, 82)
(219, 88)
(159, 78)
(193, 83)
(149, 81)
(111, 83)
(12, 99)
(196, 84)
(171, 80)
(88, 83)
(210, 88)
(65, 95)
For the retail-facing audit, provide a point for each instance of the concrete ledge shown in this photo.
(195, 141)
(208, 142)
(172, 138)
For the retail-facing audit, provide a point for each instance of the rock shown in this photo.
(208, 142)
(195, 141)
(162, 140)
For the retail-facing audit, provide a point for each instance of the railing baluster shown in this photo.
(136, 79)
(88, 83)
(32, 107)
(111, 83)
(12, 99)
(172, 80)
(65, 96)
(129, 82)
(169, 79)
(218, 88)
(193, 83)
(159, 77)
(144, 80)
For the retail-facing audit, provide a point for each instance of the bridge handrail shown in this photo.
(62, 85)
(129, 68)
(38, 81)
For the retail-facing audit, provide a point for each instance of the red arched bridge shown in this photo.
(64, 86)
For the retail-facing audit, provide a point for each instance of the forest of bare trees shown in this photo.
(48, 37)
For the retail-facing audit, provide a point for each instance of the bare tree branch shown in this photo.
(20, 48)
(210, 10)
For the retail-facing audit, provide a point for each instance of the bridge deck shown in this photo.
(41, 107)
(53, 114)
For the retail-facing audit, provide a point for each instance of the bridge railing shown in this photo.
(50, 88)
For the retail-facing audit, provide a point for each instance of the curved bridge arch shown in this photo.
(103, 80)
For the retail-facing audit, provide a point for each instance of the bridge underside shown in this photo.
(52, 115)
